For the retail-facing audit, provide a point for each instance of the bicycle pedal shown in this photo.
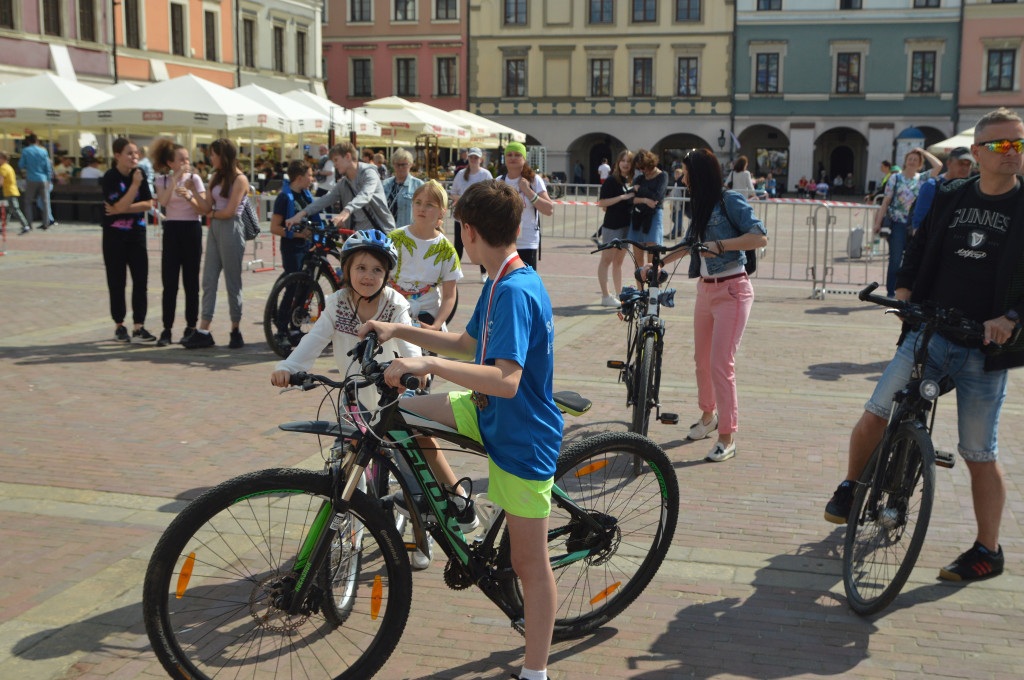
(669, 418)
(617, 365)
(946, 459)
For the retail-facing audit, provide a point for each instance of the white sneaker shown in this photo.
(720, 452)
(699, 430)
(609, 301)
(420, 561)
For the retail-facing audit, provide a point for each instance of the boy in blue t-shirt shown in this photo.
(510, 410)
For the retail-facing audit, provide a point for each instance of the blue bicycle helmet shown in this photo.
(370, 239)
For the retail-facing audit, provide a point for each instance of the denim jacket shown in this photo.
(720, 228)
(403, 210)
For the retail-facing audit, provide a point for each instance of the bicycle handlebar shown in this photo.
(948, 319)
(647, 247)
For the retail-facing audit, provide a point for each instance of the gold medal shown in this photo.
(480, 399)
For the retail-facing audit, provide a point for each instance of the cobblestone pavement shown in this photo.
(102, 443)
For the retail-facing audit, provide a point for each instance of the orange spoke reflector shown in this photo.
(376, 596)
(606, 592)
(185, 575)
(589, 469)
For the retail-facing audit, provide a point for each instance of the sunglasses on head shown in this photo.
(1004, 145)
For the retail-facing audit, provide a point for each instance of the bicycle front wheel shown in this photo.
(638, 513)
(217, 585)
(643, 384)
(888, 524)
(295, 303)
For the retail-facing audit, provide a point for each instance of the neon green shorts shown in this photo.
(516, 496)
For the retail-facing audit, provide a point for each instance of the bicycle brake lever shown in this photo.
(288, 389)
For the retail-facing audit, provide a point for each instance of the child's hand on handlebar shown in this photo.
(384, 330)
(295, 219)
(280, 378)
(418, 366)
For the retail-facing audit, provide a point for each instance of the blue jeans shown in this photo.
(979, 395)
(897, 242)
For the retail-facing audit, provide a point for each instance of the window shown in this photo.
(177, 29)
(405, 77)
(763, 5)
(279, 49)
(687, 10)
(51, 17)
(447, 77)
(131, 23)
(645, 11)
(926, 3)
(600, 77)
(360, 10)
(643, 77)
(405, 10)
(922, 72)
(300, 52)
(249, 43)
(850, 4)
(515, 77)
(1000, 70)
(687, 86)
(767, 73)
(87, 20)
(446, 9)
(362, 78)
(6, 13)
(210, 23)
(515, 12)
(601, 11)
(848, 73)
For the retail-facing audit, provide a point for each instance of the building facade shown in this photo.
(588, 78)
(278, 42)
(992, 59)
(828, 87)
(414, 49)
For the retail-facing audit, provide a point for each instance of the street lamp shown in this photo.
(721, 139)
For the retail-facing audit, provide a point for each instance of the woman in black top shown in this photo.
(127, 197)
(649, 188)
(617, 200)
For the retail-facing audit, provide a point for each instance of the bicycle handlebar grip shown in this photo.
(410, 382)
(866, 293)
(297, 379)
(370, 350)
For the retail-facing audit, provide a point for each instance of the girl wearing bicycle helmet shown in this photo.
(427, 264)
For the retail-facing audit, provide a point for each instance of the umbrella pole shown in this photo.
(252, 157)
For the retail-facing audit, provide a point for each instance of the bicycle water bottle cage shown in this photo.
(667, 298)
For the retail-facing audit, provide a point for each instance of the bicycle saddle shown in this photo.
(571, 402)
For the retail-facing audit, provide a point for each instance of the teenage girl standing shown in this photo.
(183, 233)
(225, 244)
(536, 201)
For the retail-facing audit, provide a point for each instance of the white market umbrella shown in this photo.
(407, 120)
(303, 118)
(47, 99)
(363, 125)
(965, 138)
(490, 133)
(186, 102)
(122, 88)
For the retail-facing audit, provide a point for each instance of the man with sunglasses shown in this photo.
(967, 254)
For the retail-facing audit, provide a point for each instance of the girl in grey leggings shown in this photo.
(225, 243)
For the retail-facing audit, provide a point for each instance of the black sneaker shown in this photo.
(838, 509)
(189, 332)
(121, 334)
(143, 335)
(977, 563)
(466, 512)
(199, 340)
(165, 338)
(236, 340)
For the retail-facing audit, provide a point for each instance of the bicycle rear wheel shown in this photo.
(638, 512)
(887, 525)
(211, 588)
(296, 301)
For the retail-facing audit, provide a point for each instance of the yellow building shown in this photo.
(588, 78)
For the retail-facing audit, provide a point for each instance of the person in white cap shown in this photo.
(464, 178)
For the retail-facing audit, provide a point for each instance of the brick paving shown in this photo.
(103, 443)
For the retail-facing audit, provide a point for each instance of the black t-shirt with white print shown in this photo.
(971, 245)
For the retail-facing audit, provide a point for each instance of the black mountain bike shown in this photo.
(286, 572)
(297, 298)
(645, 335)
(892, 502)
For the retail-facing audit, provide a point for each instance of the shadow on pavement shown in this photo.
(840, 311)
(836, 370)
(217, 358)
(582, 310)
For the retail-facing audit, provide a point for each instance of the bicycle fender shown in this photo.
(322, 427)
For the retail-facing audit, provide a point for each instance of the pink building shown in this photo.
(415, 49)
(992, 58)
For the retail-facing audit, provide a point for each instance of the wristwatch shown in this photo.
(1013, 316)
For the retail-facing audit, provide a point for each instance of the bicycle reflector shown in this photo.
(376, 596)
(929, 390)
(185, 575)
(617, 365)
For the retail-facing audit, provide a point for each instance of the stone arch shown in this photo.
(767, 150)
(671, 148)
(842, 150)
(590, 149)
(932, 135)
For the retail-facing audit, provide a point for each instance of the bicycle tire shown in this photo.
(883, 542)
(307, 304)
(597, 473)
(642, 382)
(239, 539)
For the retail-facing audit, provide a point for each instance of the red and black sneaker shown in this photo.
(977, 563)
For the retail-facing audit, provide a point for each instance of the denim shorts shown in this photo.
(979, 395)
